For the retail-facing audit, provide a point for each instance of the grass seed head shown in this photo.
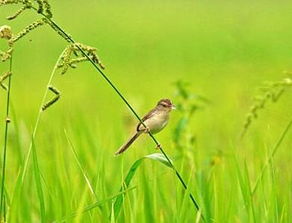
(72, 50)
(3, 78)
(17, 13)
(4, 56)
(272, 91)
(5, 32)
(56, 97)
(26, 30)
(8, 2)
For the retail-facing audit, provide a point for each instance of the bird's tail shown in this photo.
(127, 144)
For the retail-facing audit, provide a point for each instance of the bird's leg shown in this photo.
(147, 130)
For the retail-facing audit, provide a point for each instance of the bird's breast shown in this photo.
(157, 122)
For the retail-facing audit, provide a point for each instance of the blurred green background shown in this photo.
(224, 49)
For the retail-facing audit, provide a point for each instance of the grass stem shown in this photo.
(274, 150)
(7, 121)
(38, 119)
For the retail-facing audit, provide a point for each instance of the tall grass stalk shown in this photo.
(38, 119)
(71, 40)
(4, 156)
(37, 176)
(274, 150)
(89, 184)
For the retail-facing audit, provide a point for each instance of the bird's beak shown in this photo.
(173, 107)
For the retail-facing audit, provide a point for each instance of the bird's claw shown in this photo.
(147, 129)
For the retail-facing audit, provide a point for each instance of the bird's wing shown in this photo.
(140, 127)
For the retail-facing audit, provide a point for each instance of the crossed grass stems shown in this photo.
(64, 62)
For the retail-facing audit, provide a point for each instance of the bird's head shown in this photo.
(165, 104)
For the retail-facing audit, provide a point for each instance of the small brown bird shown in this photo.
(155, 120)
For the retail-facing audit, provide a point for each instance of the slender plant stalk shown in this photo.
(38, 119)
(90, 186)
(70, 39)
(7, 121)
(275, 148)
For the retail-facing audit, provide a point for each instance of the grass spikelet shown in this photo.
(272, 91)
(5, 32)
(6, 55)
(65, 58)
(9, 2)
(73, 62)
(26, 30)
(17, 13)
(74, 49)
(44, 8)
(91, 51)
(47, 7)
(40, 6)
(53, 100)
(3, 78)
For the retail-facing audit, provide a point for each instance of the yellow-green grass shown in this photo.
(225, 50)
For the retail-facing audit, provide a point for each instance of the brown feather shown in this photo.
(147, 116)
(127, 144)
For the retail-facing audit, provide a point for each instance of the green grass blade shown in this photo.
(277, 145)
(156, 157)
(148, 200)
(242, 184)
(119, 201)
(38, 183)
(80, 165)
(94, 205)
(113, 220)
(247, 180)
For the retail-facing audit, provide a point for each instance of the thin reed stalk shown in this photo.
(38, 119)
(71, 40)
(4, 156)
(274, 150)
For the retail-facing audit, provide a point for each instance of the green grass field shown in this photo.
(225, 50)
